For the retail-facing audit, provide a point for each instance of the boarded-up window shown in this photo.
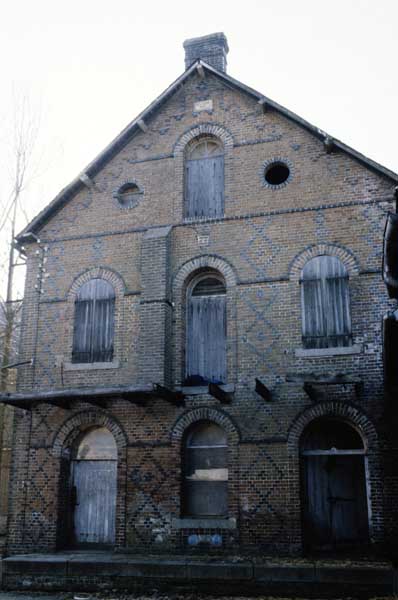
(94, 322)
(325, 301)
(205, 471)
(206, 332)
(204, 179)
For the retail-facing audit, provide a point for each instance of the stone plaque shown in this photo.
(203, 105)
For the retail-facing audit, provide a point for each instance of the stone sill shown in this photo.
(192, 523)
(188, 220)
(200, 390)
(321, 352)
(99, 366)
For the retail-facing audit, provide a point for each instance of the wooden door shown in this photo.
(335, 510)
(335, 514)
(94, 489)
(95, 501)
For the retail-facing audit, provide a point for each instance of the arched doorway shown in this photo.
(335, 507)
(93, 479)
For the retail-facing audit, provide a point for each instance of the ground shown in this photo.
(155, 596)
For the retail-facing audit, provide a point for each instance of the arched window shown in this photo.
(94, 322)
(205, 471)
(206, 331)
(335, 510)
(204, 178)
(326, 320)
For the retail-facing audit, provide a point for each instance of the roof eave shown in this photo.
(95, 165)
(316, 131)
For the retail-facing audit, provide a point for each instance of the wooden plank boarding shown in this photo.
(95, 508)
(204, 179)
(205, 471)
(94, 325)
(334, 486)
(325, 303)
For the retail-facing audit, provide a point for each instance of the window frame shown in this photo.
(219, 202)
(96, 353)
(188, 457)
(320, 298)
(207, 274)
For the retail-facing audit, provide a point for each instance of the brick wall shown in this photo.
(330, 203)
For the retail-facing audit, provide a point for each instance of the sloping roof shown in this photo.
(135, 126)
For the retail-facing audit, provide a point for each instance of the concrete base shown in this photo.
(94, 571)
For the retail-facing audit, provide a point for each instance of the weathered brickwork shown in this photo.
(331, 204)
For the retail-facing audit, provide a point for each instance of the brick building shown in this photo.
(203, 308)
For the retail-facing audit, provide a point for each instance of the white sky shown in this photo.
(93, 65)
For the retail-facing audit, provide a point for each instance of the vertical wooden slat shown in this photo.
(94, 518)
(94, 322)
(325, 303)
(204, 187)
(206, 338)
(335, 499)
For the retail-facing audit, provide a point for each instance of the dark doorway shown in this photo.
(335, 511)
(93, 477)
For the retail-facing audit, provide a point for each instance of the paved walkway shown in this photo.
(34, 596)
(200, 578)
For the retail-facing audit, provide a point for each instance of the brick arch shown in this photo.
(82, 421)
(352, 415)
(345, 411)
(181, 280)
(207, 261)
(105, 273)
(204, 413)
(203, 129)
(345, 255)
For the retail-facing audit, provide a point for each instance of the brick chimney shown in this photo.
(212, 49)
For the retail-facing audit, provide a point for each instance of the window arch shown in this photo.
(93, 331)
(326, 319)
(204, 178)
(206, 331)
(205, 471)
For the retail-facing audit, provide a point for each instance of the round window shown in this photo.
(128, 195)
(276, 173)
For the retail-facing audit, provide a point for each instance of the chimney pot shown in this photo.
(212, 49)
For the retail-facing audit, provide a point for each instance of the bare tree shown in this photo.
(20, 166)
(21, 169)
